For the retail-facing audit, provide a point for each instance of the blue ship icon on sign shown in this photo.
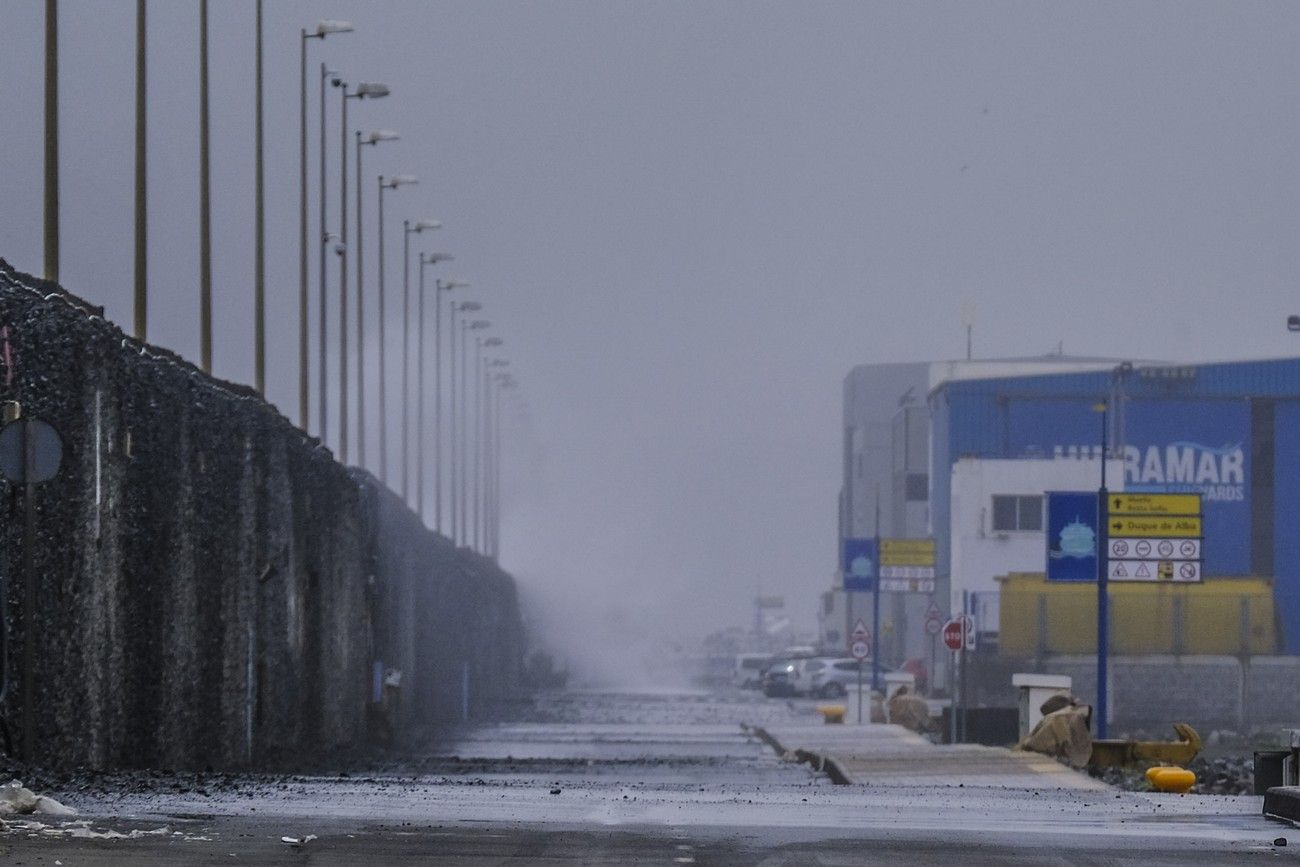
(1077, 540)
(862, 567)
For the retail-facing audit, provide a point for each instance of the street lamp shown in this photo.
(440, 287)
(457, 517)
(374, 91)
(493, 445)
(505, 382)
(467, 530)
(372, 138)
(385, 183)
(323, 29)
(429, 259)
(1293, 323)
(407, 228)
(481, 440)
(205, 200)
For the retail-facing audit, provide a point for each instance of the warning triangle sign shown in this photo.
(1120, 571)
(1142, 571)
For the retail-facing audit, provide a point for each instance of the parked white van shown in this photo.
(749, 669)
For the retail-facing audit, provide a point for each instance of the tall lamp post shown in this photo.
(429, 259)
(494, 377)
(205, 200)
(467, 529)
(457, 519)
(439, 287)
(505, 382)
(323, 29)
(371, 138)
(51, 215)
(141, 220)
(326, 239)
(374, 91)
(385, 183)
(481, 383)
(407, 228)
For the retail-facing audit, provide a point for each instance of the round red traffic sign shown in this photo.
(860, 649)
(952, 634)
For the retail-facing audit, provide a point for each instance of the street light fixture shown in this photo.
(1293, 323)
(372, 138)
(425, 260)
(407, 228)
(385, 183)
(323, 29)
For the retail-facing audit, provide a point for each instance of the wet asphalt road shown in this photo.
(663, 778)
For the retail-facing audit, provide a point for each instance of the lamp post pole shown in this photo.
(1103, 583)
(205, 199)
(259, 232)
(343, 274)
(323, 29)
(51, 210)
(453, 461)
(384, 183)
(322, 408)
(406, 354)
(463, 433)
(479, 410)
(361, 322)
(420, 474)
(141, 220)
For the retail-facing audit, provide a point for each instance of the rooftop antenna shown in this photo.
(968, 319)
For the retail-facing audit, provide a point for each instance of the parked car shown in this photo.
(748, 673)
(832, 677)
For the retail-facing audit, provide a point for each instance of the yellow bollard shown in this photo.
(1169, 779)
(832, 714)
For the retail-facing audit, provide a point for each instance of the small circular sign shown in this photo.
(1143, 548)
(1119, 547)
(860, 650)
(1188, 549)
(1187, 570)
(932, 626)
(1166, 548)
(30, 447)
(952, 634)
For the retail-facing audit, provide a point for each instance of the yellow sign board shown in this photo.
(1155, 526)
(906, 552)
(1154, 504)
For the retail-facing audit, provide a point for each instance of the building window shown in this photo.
(918, 487)
(1012, 513)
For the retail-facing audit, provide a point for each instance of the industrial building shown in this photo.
(964, 452)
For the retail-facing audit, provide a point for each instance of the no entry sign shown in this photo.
(952, 637)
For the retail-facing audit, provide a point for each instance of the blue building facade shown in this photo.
(1229, 431)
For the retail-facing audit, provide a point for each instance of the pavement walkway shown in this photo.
(890, 755)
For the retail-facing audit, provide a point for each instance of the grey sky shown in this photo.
(690, 219)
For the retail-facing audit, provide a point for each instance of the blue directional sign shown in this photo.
(860, 564)
(1072, 536)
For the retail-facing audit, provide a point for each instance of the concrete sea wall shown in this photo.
(207, 586)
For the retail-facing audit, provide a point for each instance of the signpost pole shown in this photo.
(875, 607)
(859, 692)
(1103, 589)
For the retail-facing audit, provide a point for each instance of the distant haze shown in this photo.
(690, 220)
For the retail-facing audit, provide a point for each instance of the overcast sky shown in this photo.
(690, 219)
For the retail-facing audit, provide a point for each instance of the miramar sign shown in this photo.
(1217, 473)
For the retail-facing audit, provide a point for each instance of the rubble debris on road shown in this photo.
(910, 711)
(1063, 733)
(15, 799)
